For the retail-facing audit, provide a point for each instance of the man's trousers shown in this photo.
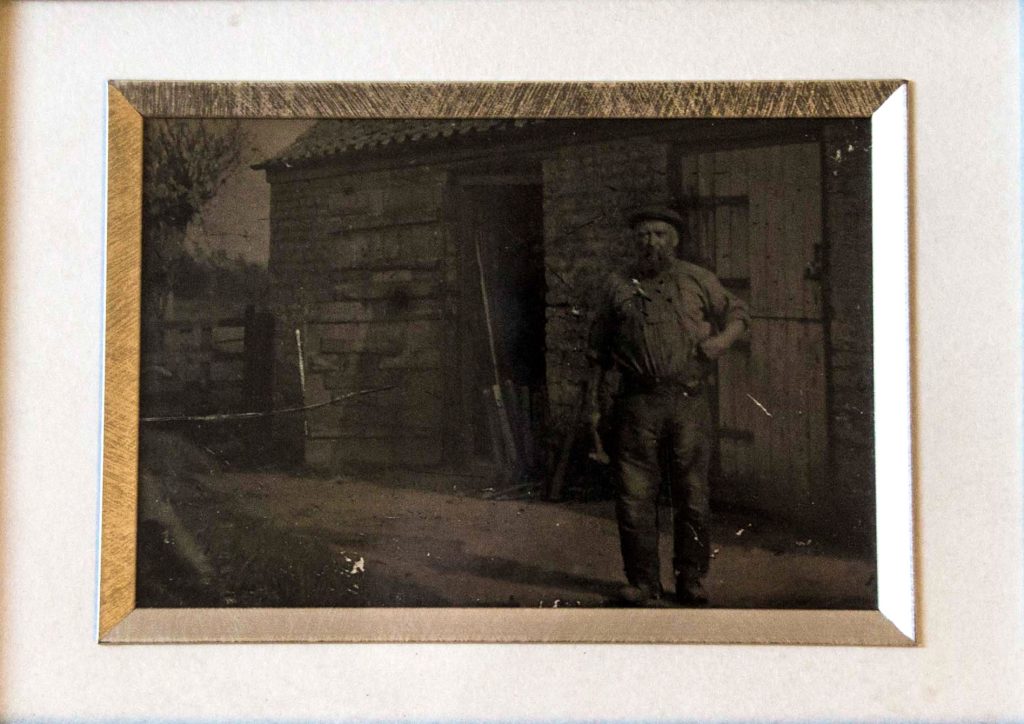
(662, 432)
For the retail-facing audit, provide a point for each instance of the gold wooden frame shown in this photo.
(130, 102)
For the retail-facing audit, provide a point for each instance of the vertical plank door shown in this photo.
(755, 214)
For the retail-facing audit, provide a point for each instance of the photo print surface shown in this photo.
(506, 363)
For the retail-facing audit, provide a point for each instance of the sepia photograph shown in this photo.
(521, 363)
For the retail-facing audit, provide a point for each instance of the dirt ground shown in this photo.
(421, 539)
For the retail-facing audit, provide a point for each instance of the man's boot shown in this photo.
(640, 594)
(689, 591)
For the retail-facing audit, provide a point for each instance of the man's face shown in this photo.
(656, 243)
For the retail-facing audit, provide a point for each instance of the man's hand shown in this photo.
(717, 345)
(714, 347)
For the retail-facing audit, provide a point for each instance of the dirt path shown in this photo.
(287, 540)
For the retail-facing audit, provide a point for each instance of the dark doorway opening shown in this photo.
(503, 295)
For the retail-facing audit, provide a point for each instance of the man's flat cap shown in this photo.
(657, 213)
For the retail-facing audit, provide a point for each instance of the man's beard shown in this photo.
(651, 264)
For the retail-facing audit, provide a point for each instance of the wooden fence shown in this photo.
(209, 365)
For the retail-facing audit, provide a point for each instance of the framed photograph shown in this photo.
(550, 362)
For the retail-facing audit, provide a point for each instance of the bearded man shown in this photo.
(661, 327)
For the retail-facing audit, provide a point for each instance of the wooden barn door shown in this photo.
(756, 216)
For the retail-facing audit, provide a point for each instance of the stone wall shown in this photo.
(358, 265)
(847, 184)
(588, 189)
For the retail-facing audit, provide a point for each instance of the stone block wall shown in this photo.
(847, 185)
(589, 190)
(359, 265)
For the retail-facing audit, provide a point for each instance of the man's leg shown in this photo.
(637, 425)
(691, 457)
